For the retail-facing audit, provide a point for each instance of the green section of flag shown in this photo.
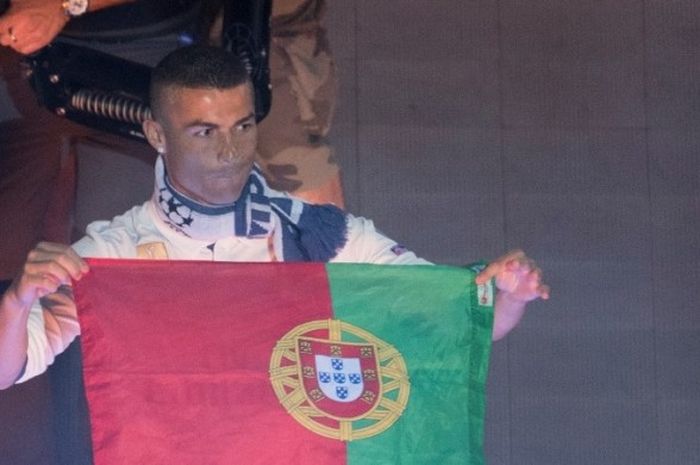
(431, 315)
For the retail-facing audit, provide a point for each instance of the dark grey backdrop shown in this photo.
(568, 128)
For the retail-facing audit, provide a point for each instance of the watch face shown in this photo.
(76, 7)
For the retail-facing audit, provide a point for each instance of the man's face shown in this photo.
(208, 139)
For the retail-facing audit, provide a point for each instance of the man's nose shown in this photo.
(229, 148)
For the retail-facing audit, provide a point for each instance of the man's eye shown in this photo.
(245, 126)
(206, 132)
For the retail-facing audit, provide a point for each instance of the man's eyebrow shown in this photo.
(245, 118)
(207, 124)
(200, 123)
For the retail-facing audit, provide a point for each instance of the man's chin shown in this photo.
(225, 186)
(236, 169)
(225, 194)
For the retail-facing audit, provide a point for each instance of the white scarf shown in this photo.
(312, 232)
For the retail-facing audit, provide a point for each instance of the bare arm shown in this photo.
(29, 25)
(518, 281)
(48, 266)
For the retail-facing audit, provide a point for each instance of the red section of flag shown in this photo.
(176, 358)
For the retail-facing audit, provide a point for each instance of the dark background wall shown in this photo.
(568, 128)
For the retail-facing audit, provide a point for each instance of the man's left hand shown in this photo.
(517, 275)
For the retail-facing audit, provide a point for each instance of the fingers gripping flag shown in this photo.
(220, 363)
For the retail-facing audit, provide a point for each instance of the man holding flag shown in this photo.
(210, 203)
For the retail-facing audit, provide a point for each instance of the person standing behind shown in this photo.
(294, 150)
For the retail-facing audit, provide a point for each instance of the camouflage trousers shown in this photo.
(293, 148)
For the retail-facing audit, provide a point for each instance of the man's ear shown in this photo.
(154, 134)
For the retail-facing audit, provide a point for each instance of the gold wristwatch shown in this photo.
(75, 8)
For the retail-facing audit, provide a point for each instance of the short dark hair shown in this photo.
(197, 67)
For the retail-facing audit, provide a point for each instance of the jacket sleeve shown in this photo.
(365, 244)
(53, 321)
(51, 327)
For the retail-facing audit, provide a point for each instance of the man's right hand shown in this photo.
(48, 266)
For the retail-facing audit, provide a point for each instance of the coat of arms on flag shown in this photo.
(336, 388)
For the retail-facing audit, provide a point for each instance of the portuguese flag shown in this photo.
(211, 363)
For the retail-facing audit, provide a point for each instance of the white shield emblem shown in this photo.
(340, 379)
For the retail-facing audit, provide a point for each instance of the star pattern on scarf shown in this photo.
(172, 206)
